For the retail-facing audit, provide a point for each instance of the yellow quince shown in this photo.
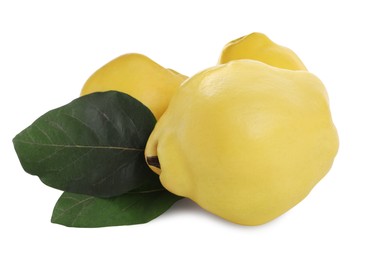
(139, 77)
(245, 140)
(257, 46)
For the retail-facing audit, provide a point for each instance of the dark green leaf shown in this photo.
(93, 145)
(77, 210)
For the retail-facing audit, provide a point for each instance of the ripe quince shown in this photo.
(257, 46)
(245, 140)
(139, 77)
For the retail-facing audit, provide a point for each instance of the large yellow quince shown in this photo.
(139, 77)
(245, 140)
(257, 46)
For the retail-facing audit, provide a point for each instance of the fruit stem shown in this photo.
(153, 161)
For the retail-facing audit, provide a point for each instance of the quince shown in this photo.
(257, 46)
(139, 77)
(245, 140)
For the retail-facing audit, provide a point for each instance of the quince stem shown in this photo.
(153, 161)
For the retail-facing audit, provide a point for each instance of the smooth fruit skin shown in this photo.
(244, 140)
(139, 77)
(257, 46)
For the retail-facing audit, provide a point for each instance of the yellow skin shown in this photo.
(245, 140)
(139, 77)
(257, 46)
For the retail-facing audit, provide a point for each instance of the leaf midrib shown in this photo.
(83, 146)
(83, 201)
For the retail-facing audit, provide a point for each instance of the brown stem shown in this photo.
(153, 161)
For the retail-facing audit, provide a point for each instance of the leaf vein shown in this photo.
(55, 124)
(75, 205)
(104, 115)
(111, 174)
(75, 161)
(84, 124)
(44, 133)
(84, 146)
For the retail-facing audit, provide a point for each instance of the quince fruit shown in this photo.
(139, 77)
(245, 140)
(257, 46)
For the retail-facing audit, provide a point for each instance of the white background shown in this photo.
(49, 48)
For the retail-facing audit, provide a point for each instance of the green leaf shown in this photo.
(77, 210)
(94, 145)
